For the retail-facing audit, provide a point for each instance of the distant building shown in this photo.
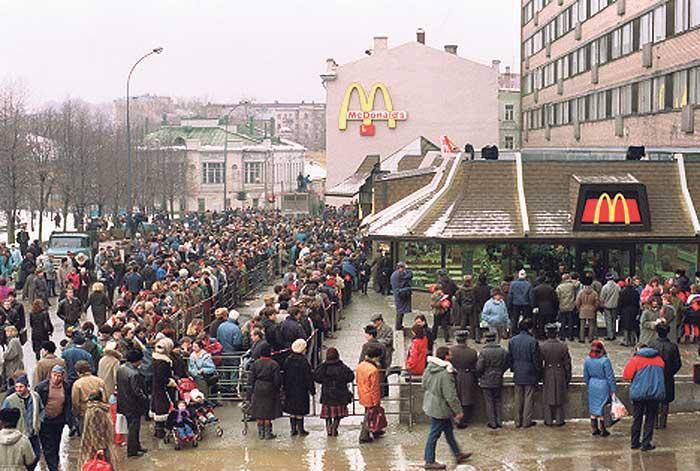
(508, 108)
(259, 171)
(380, 102)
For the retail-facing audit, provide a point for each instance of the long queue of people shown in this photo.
(125, 354)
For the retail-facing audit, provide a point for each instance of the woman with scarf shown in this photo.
(600, 378)
(98, 435)
(164, 385)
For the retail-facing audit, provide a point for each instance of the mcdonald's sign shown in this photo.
(605, 208)
(367, 114)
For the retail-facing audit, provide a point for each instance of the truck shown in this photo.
(60, 243)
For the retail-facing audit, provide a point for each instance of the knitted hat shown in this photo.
(299, 346)
(134, 355)
(58, 369)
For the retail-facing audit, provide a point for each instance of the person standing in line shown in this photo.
(629, 310)
(370, 392)
(83, 389)
(465, 309)
(55, 395)
(482, 293)
(566, 294)
(495, 314)
(464, 360)
(645, 371)
(546, 303)
(441, 404)
(599, 376)
(587, 303)
(650, 318)
(520, 301)
(265, 383)
(298, 385)
(668, 351)
(132, 400)
(492, 363)
(385, 336)
(557, 376)
(334, 376)
(609, 300)
(527, 369)
(400, 283)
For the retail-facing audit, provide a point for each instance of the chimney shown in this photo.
(420, 35)
(451, 48)
(381, 43)
(507, 70)
(496, 64)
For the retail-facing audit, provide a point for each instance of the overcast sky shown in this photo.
(227, 50)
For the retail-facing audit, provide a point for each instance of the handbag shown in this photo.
(211, 378)
(376, 419)
(97, 463)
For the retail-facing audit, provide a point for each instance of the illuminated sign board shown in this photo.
(622, 207)
(367, 114)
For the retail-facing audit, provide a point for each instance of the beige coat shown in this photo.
(107, 370)
(44, 367)
(587, 303)
(83, 388)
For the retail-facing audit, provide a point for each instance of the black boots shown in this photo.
(602, 431)
(300, 427)
(268, 432)
(594, 427)
(261, 431)
(297, 427)
(336, 424)
(329, 427)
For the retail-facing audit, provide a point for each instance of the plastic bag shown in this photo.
(618, 409)
(97, 463)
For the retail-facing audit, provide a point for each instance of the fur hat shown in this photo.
(522, 274)
(233, 315)
(299, 346)
(164, 345)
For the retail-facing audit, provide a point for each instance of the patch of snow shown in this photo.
(440, 223)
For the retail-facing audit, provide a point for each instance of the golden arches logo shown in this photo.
(367, 113)
(612, 204)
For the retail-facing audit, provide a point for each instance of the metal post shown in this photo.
(226, 157)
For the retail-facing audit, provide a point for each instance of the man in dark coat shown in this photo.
(492, 363)
(132, 400)
(56, 416)
(69, 309)
(527, 367)
(546, 302)
(668, 351)
(401, 287)
(464, 308)
(298, 385)
(384, 273)
(23, 239)
(557, 375)
(464, 362)
(265, 381)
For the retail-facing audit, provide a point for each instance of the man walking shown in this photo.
(55, 397)
(609, 300)
(520, 300)
(401, 287)
(646, 372)
(69, 310)
(464, 362)
(493, 362)
(29, 405)
(557, 376)
(668, 351)
(132, 400)
(441, 404)
(527, 367)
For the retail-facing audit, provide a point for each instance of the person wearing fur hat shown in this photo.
(108, 365)
(298, 384)
(163, 384)
(29, 404)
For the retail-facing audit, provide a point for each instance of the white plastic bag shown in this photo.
(121, 425)
(618, 409)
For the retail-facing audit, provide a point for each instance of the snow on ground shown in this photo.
(24, 217)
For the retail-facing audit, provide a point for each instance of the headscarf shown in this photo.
(597, 349)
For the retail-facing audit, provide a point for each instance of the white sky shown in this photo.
(227, 50)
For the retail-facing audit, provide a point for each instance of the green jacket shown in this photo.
(440, 399)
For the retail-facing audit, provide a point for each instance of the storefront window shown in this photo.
(665, 259)
(423, 258)
(474, 259)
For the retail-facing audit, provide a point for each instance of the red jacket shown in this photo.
(417, 356)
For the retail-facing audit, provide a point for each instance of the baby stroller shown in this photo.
(203, 410)
(182, 426)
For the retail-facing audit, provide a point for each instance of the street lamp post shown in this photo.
(129, 195)
(228, 117)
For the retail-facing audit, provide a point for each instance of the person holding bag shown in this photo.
(600, 378)
(201, 367)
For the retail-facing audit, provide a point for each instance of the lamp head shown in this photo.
(158, 50)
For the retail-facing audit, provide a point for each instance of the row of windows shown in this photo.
(666, 20)
(564, 22)
(667, 92)
(532, 7)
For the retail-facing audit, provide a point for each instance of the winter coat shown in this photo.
(44, 366)
(84, 387)
(40, 323)
(587, 303)
(229, 336)
(464, 361)
(495, 313)
(557, 372)
(131, 400)
(610, 295)
(201, 365)
(298, 384)
(30, 412)
(647, 326)
(482, 293)
(546, 301)
(334, 378)
(566, 294)
(492, 363)
(440, 400)
(526, 357)
(368, 384)
(520, 293)
(599, 376)
(73, 355)
(161, 390)
(69, 311)
(14, 316)
(107, 370)
(13, 358)
(401, 287)
(668, 351)
(464, 302)
(16, 452)
(646, 372)
(265, 383)
(417, 356)
(289, 331)
(40, 289)
(628, 308)
(365, 348)
(99, 303)
(42, 389)
(385, 336)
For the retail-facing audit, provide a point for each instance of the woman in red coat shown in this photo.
(417, 352)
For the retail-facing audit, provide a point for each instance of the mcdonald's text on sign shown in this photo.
(367, 114)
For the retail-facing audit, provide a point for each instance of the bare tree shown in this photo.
(42, 157)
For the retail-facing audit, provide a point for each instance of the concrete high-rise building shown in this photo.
(611, 74)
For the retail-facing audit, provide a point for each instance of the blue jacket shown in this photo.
(646, 372)
(229, 336)
(526, 357)
(495, 313)
(204, 363)
(520, 293)
(73, 355)
(401, 287)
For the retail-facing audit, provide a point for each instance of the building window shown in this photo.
(212, 173)
(509, 142)
(201, 205)
(660, 23)
(509, 113)
(644, 96)
(694, 80)
(680, 89)
(680, 23)
(694, 13)
(627, 39)
(253, 172)
(645, 29)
